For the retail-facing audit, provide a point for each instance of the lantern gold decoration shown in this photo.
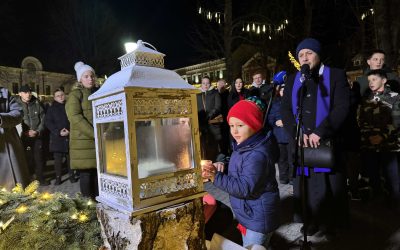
(147, 135)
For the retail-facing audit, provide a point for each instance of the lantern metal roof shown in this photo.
(143, 67)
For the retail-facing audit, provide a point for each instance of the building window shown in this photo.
(47, 90)
(15, 88)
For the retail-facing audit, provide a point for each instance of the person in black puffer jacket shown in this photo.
(57, 122)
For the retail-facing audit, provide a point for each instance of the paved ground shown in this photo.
(373, 226)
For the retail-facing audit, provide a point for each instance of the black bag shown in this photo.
(321, 157)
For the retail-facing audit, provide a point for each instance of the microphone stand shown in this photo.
(269, 104)
(304, 244)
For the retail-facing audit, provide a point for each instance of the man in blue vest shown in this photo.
(325, 107)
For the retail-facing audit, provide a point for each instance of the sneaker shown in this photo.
(72, 178)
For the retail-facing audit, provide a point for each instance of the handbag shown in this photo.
(321, 157)
(216, 120)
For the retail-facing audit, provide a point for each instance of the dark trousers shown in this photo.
(353, 167)
(34, 155)
(285, 162)
(326, 196)
(385, 162)
(58, 163)
(88, 183)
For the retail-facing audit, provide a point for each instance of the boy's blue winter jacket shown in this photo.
(251, 183)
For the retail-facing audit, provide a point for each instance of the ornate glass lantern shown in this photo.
(147, 135)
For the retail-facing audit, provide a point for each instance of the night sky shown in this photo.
(30, 31)
(46, 29)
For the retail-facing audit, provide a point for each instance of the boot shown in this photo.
(58, 181)
(72, 178)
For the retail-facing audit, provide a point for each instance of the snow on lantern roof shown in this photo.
(143, 67)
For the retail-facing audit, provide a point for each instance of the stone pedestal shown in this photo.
(171, 228)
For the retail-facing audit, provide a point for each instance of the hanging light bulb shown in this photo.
(286, 21)
(263, 29)
(248, 27)
(258, 29)
(199, 10)
(270, 38)
(254, 27)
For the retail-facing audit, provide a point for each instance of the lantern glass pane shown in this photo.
(112, 148)
(164, 145)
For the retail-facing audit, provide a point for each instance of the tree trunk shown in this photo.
(395, 32)
(177, 227)
(228, 40)
(307, 17)
(387, 29)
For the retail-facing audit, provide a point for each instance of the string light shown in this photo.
(210, 15)
(367, 13)
(83, 217)
(46, 196)
(21, 209)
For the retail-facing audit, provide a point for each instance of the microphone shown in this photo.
(279, 78)
(305, 72)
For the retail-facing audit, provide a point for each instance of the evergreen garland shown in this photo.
(33, 220)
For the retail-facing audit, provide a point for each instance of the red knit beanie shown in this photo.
(248, 112)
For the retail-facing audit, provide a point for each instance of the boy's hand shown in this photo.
(208, 172)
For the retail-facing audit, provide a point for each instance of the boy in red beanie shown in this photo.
(250, 181)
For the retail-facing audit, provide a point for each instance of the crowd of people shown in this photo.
(245, 132)
(359, 121)
(27, 130)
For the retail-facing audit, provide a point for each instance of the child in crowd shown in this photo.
(250, 181)
(378, 117)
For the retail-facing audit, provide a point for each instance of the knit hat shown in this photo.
(25, 88)
(248, 112)
(309, 43)
(81, 68)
